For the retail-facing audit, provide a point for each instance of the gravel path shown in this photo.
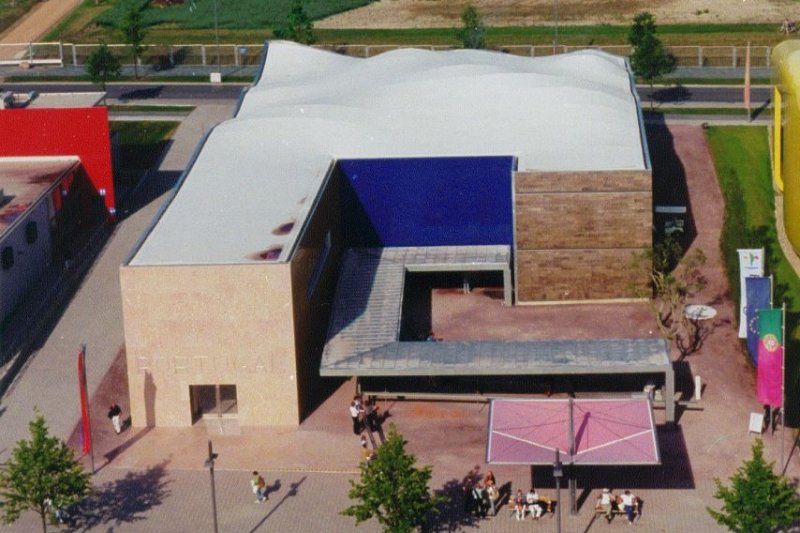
(39, 20)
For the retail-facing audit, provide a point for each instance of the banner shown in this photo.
(759, 296)
(769, 377)
(751, 263)
(86, 433)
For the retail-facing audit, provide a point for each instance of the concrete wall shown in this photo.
(206, 325)
(576, 234)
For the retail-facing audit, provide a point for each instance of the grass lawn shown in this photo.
(741, 158)
(252, 21)
(137, 108)
(141, 143)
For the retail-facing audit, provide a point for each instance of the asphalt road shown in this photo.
(688, 94)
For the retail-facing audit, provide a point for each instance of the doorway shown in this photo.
(213, 401)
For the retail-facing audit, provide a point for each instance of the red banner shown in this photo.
(86, 434)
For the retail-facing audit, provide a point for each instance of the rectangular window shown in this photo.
(319, 268)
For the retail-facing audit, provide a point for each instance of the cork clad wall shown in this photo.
(576, 234)
(207, 325)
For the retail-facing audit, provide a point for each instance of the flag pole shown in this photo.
(747, 82)
(783, 381)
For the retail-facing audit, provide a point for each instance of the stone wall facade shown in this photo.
(577, 233)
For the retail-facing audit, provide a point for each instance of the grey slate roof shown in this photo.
(365, 326)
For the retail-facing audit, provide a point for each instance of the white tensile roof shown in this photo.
(310, 107)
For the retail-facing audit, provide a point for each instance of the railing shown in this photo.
(240, 55)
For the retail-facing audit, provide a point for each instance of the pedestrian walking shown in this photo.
(259, 487)
(114, 413)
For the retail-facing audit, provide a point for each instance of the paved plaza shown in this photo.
(154, 479)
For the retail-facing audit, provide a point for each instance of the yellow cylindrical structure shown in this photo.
(777, 139)
(786, 78)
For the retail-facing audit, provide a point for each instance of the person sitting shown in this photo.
(629, 505)
(607, 499)
(519, 505)
(534, 506)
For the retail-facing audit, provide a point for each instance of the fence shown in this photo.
(238, 55)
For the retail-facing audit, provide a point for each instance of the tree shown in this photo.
(649, 60)
(673, 278)
(758, 500)
(102, 65)
(133, 31)
(41, 472)
(299, 27)
(473, 33)
(392, 489)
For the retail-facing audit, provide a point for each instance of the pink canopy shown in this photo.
(606, 432)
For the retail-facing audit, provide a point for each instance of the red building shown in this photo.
(56, 183)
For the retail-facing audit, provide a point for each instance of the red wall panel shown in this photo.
(82, 132)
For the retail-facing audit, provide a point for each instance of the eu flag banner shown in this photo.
(769, 378)
(759, 296)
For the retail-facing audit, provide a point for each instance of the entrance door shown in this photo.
(213, 401)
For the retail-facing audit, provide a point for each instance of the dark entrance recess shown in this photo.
(209, 401)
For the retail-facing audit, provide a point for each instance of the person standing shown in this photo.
(355, 415)
(629, 504)
(259, 487)
(114, 413)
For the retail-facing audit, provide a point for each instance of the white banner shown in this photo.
(751, 263)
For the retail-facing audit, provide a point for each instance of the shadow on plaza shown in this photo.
(674, 472)
(124, 500)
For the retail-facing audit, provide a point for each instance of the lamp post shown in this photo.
(558, 472)
(210, 465)
(216, 38)
(555, 27)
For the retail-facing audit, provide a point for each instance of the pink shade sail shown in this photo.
(606, 432)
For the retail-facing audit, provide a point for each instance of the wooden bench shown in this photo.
(548, 506)
(617, 508)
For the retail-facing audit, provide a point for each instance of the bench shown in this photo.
(618, 509)
(548, 506)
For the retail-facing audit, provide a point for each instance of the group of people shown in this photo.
(366, 420)
(364, 416)
(482, 497)
(626, 502)
(531, 503)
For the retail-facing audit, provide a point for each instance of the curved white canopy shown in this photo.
(310, 107)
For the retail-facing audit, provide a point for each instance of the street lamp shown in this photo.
(558, 473)
(218, 77)
(210, 465)
(555, 28)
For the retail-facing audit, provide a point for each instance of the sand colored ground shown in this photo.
(39, 20)
(447, 13)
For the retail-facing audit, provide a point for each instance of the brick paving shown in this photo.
(153, 480)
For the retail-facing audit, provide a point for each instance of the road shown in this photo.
(689, 95)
